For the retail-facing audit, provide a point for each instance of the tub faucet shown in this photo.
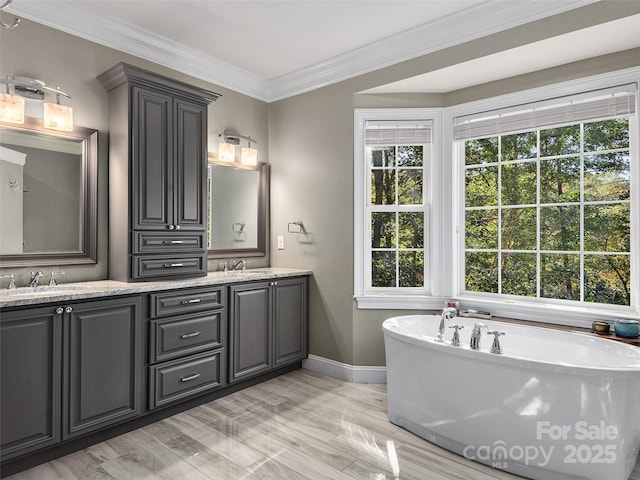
(495, 347)
(476, 335)
(35, 276)
(455, 341)
(447, 314)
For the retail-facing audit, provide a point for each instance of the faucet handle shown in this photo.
(52, 279)
(12, 281)
(495, 347)
(455, 341)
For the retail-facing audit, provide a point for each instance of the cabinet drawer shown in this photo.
(168, 266)
(178, 379)
(154, 242)
(185, 335)
(186, 301)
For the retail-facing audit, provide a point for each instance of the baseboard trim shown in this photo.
(344, 371)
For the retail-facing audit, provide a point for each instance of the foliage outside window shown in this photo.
(396, 157)
(547, 213)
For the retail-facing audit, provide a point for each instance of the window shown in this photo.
(547, 200)
(528, 204)
(393, 191)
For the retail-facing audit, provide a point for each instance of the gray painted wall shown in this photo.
(312, 168)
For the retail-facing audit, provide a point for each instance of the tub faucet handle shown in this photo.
(455, 341)
(495, 347)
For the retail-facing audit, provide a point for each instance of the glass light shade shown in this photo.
(58, 117)
(226, 152)
(249, 156)
(11, 108)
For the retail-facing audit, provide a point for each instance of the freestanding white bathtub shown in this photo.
(554, 406)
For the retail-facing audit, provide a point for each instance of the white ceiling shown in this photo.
(272, 49)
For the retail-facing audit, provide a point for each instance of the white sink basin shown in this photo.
(43, 290)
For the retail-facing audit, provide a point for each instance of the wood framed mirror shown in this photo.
(237, 199)
(48, 195)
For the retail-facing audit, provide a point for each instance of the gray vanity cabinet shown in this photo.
(267, 326)
(30, 380)
(289, 321)
(157, 175)
(187, 340)
(102, 364)
(250, 330)
(67, 370)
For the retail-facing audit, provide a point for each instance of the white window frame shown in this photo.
(444, 244)
(540, 310)
(430, 296)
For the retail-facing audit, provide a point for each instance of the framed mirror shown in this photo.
(48, 195)
(237, 199)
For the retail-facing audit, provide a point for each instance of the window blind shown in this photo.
(588, 106)
(397, 133)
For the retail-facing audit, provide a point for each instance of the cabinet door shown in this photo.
(250, 330)
(290, 321)
(191, 166)
(30, 350)
(152, 161)
(102, 365)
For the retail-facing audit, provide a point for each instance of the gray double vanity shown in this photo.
(81, 362)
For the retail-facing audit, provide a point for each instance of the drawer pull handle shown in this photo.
(193, 300)
(190, 335)
(171, 265)
(190, 377)
(173, 242)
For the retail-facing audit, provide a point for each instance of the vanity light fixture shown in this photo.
(16, 20)
(226, 152)
(56, 116)
(227, 149)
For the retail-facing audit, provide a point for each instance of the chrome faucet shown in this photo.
(35, 276)
(455, 341)
(12, 281)
(447, 314)
(236, 265)
(52, 279)
(495, 347)
(476, 335)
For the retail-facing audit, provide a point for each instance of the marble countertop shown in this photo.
(107, 288)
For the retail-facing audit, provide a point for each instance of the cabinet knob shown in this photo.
(177, 227)
(68, 309)
(171, 227)
(59, 310)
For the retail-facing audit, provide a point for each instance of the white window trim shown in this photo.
(539, 310)
(367, 300)
(444, 242)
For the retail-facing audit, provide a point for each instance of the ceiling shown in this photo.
(272, 49)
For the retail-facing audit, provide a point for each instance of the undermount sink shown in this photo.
(43, 290)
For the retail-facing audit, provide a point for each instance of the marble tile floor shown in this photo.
(299, 426)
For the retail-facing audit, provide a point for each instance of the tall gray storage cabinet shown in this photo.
(157, 175)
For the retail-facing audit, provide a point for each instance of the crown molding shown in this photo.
(480, 21)
(141, 43)
(484, 19)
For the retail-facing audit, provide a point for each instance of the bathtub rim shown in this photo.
(509, 358)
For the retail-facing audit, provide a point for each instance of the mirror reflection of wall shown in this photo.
(233, 212)
(48, 192)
